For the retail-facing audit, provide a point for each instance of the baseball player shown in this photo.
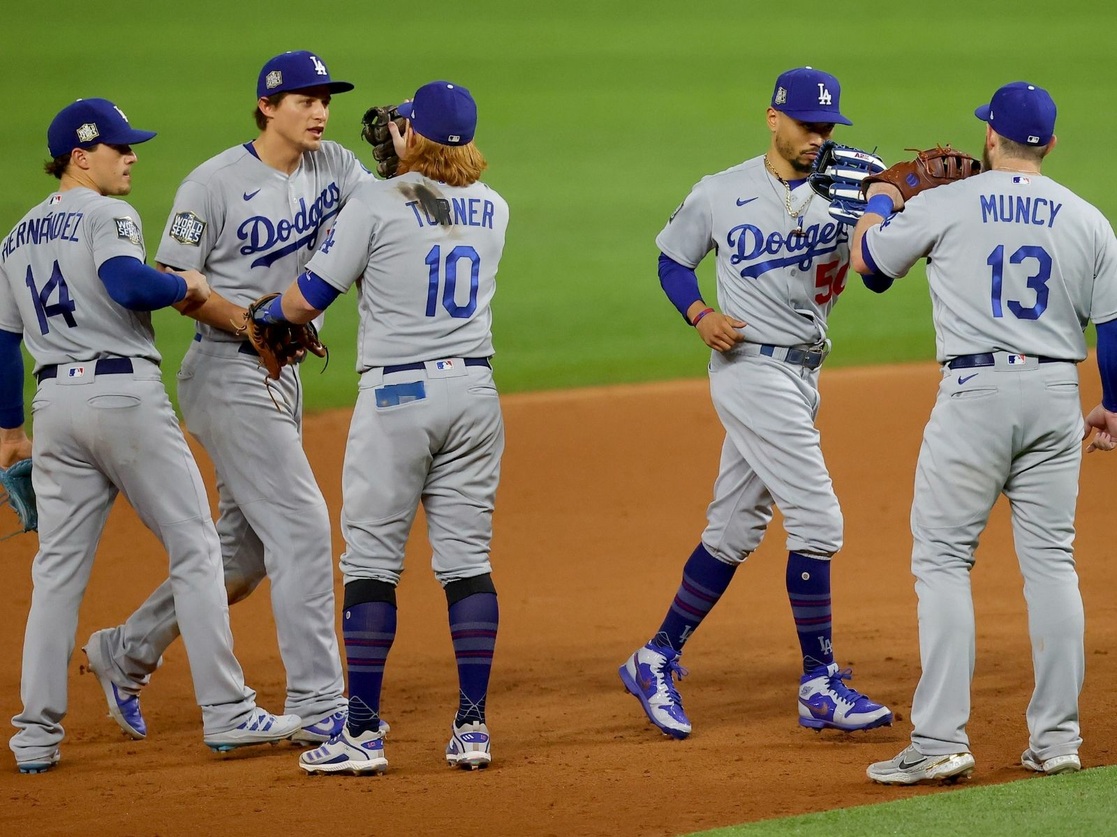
(250, 218)
(74, 284)
(781, 265)
(1017, 266)
(423, 251)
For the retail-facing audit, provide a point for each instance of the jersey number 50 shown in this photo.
(445, 272)
(1037, 281)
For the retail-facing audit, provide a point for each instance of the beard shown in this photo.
(986, 163)
(791, 156)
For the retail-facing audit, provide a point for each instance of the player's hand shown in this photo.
(14, 446)
(878, 188)
(719, 331)
(1104, 423)
(197, 290)
(399, 141)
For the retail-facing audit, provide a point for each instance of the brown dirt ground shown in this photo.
(603, 497)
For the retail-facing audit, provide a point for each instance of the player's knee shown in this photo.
(464, 587)
(239, 586)
(365, 590)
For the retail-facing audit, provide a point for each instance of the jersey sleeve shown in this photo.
(1103, 301)
(904, 238)
(114, 230)
(193, 227)
(688, 235)
(343, 255)
(350, 172)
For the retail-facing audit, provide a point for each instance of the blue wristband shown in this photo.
(273, 313)
(880, 205)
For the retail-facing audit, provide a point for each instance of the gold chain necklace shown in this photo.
(795, 213)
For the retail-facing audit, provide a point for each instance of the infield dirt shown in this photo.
(602, 498)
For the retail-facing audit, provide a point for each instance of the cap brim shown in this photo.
(339, 86)
(817, 116)
(129, 137)
(405, 109)
(983, 112)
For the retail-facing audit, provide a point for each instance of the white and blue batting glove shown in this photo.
(837, 175)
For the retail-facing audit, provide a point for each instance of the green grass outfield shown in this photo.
(597, 117)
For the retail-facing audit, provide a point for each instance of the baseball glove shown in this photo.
(929, 169)
(17, 491)
(278, 344)
(374, 131)
(837, 175)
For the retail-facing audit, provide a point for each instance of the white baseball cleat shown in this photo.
(360, 754)
(262, 727)
(1069, 763)
(911, 766)
(469, 746)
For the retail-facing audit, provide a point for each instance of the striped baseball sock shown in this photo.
(473, 627)
(705, 579)
(369, 630)
(808, 590)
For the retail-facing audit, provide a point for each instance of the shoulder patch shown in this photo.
(126, 228)
(187, 227)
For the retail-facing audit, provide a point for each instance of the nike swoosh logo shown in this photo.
(743, 201)
(903, 765)
(250, 195)
(963, 379)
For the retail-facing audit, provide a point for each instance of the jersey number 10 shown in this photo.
(445, 272)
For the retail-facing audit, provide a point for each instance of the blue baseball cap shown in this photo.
(442, 112)
(1021, 112)
(296, 71)
(808, 95)
(89, 122)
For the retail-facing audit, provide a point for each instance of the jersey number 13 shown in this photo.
(1036, 281)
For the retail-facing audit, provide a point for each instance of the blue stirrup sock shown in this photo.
(808, 590)
(473, 628)
(369, 629)
(705, 579)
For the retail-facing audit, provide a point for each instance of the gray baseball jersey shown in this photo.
(1017, 265)
(781, 271)
(250, 229)
(426, 257)
(103, 425)
(1033, 251)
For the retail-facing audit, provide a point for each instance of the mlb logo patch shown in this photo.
(1020, 180)
(443, 365)
(1014, 360)
(187, 228)
(126, 228)
(75, 372)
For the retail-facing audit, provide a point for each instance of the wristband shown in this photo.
(880, 205)
(701, 314)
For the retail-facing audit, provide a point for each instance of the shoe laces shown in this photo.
(667, 673)
(840, 689)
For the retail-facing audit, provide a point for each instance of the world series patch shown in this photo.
(126, 228)
(187, 227)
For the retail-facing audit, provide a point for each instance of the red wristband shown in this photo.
(701, 314)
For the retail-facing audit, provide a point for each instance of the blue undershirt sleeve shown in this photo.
(11, 380)
(137, 287)
(1107, 363)
(317, 291)
(680, 283)
(875, 281)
